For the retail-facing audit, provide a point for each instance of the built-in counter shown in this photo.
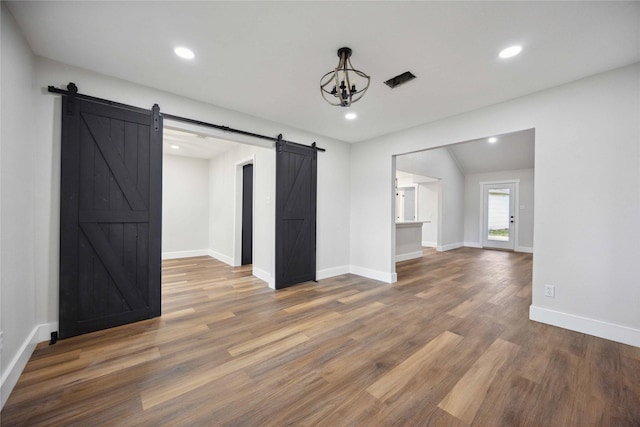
(409, 240)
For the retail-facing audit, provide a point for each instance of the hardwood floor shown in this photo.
(449, 344)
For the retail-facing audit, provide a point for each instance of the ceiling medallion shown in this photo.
(347, 85)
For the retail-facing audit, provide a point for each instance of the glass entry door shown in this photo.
(499, 216)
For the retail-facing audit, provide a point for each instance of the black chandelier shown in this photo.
(347, 84)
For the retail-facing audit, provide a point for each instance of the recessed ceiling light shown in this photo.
(175, 147)
(492, 140)
(510, 51)
(184, 53)
(350, 116)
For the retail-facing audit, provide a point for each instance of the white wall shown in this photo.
(524, 209)
(185, 206)
(18, 320)
(225, 206)
(438, 163)
(428, 194)
(587, 167)
(332, 232)
(222, 206)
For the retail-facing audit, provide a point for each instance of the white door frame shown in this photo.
(516, 204)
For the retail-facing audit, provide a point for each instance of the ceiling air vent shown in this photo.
(400, 79)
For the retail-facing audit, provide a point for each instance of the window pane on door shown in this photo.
(498, 214)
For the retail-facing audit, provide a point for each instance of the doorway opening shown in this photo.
(247, 214)
(243, 212)
(203, 202)
(406, 203)
(417, 207)
(472, 212)
(224, 236)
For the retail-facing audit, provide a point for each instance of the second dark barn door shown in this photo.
(296, 169)
(110, 216)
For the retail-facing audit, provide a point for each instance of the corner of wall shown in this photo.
(408, 256)
(264, 275)
(220, 257)
(374, 274)
(450, 247)
(11, 375)
(332, 272)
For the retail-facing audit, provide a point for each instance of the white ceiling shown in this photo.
(192, 144)
(511, 151)
(266, 58)
(407, 178)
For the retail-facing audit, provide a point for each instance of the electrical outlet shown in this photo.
(549, 291)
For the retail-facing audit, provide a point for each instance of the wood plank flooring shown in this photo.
(449, 344)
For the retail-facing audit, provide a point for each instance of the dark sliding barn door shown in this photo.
(296, 167)
(247, 214)
(110, 216)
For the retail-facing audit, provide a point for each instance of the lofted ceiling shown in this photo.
(512, 151)
(266, 58)
(508, 152)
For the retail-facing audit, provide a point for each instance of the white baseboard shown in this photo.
(185, 254)
(525, 249)
(16, 366)
(477, 245)
(449, 247)
(408, 256)
(220, 257)
(332, 272)
(374, 274)
(429, 244)
(320, 274)
(264, 275)
(609, 331)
